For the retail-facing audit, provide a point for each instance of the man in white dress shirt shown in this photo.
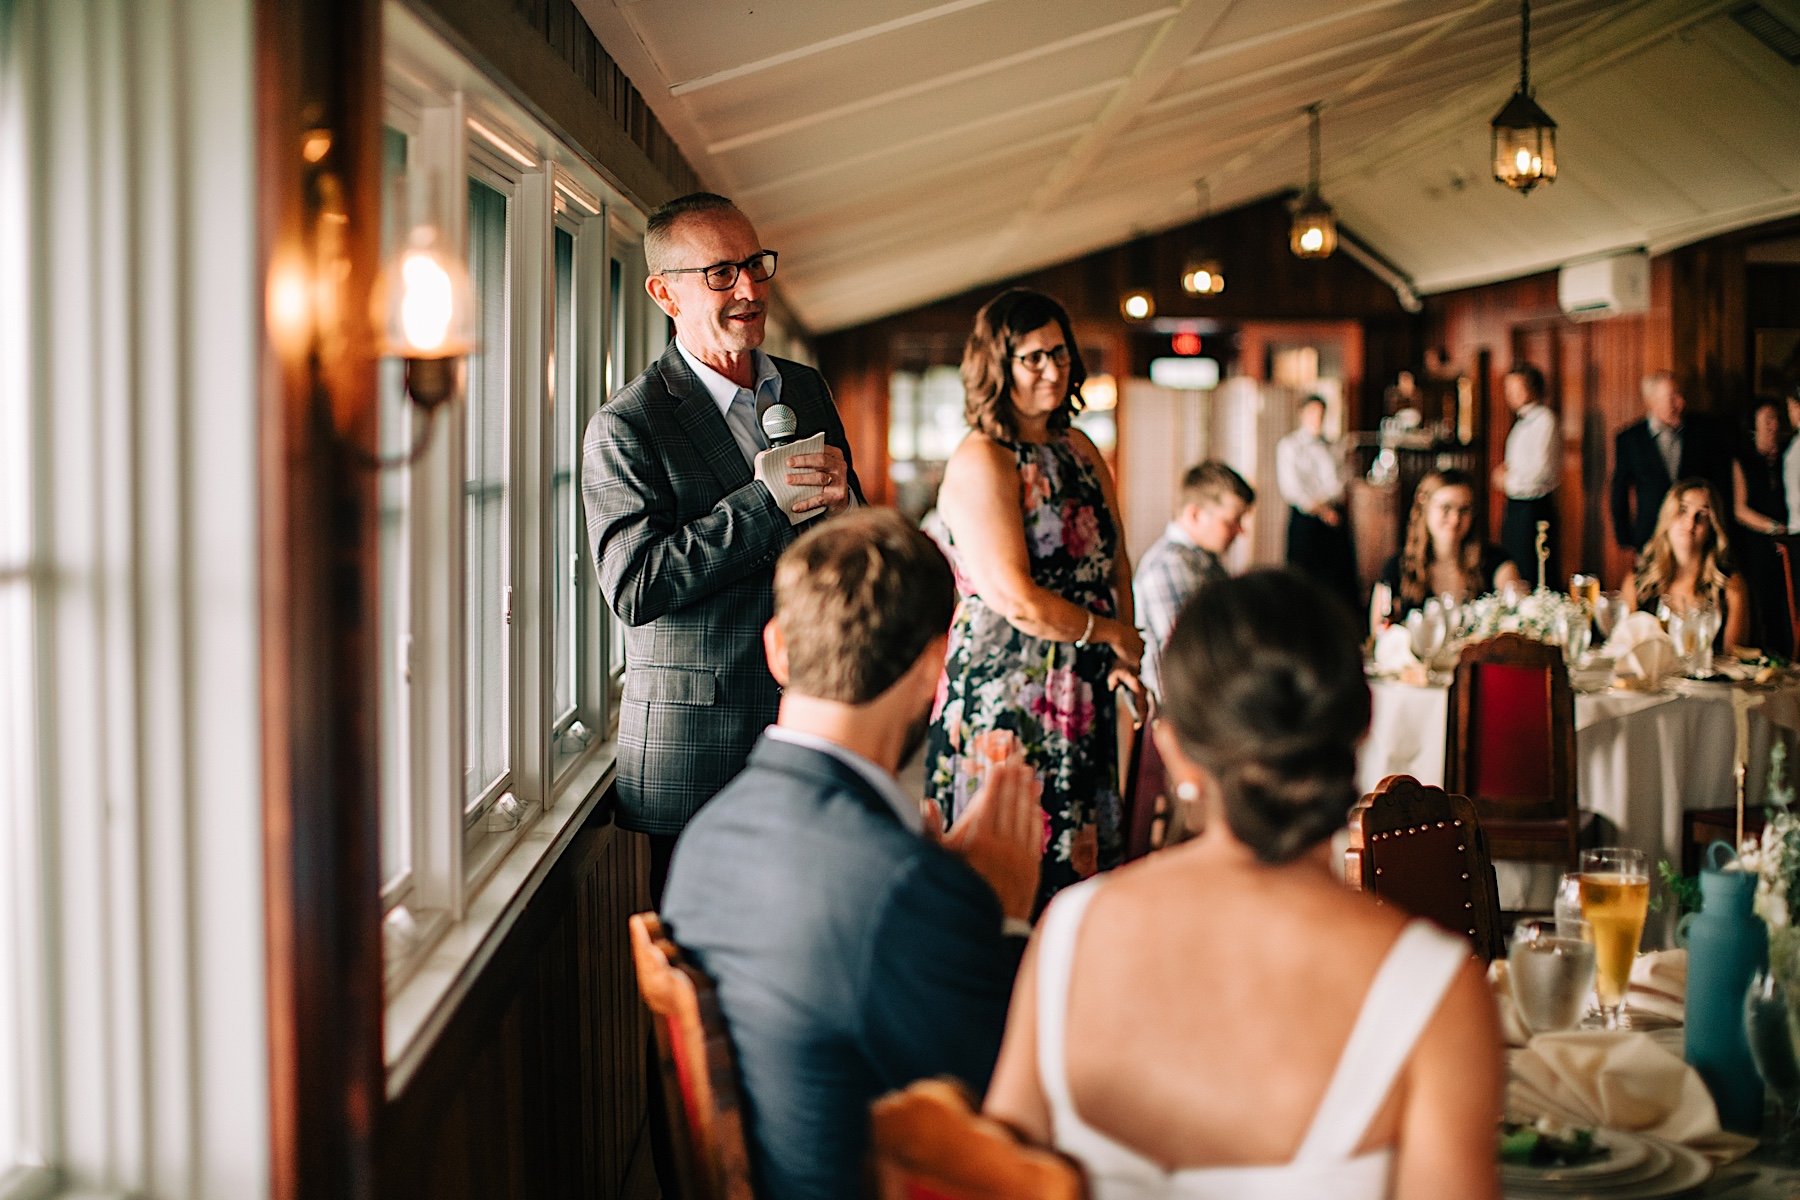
(1190, 554)
(1309, 473)
(1529, 472)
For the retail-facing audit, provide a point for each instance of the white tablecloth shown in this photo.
(1640, 760)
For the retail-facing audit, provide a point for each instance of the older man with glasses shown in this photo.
(684, 518)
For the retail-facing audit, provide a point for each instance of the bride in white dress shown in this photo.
(1224, 1018)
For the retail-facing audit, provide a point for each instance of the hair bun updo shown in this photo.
(1263, 686)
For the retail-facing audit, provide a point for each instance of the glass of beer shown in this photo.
(1615, 895)
(1585, 589)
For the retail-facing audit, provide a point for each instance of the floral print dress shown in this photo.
(1006, 692)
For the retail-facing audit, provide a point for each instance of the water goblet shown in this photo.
(1705, 622)
(1768, 1027)
(1609, 610)
(1615, 898)
(1551, 974)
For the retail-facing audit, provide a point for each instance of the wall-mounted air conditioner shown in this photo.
(1605, 287)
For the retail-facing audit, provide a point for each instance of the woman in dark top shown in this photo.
(1761, 508)
(1441, 554)
(1687, 564)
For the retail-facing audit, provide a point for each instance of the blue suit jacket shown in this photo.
(685, 542)
(851, 956)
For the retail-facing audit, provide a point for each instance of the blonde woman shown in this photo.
(1442, 555)
(1687, 563)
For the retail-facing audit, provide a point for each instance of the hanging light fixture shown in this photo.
(1139, 300)
(1202, 276)
(1314, 232)
(1524, 134)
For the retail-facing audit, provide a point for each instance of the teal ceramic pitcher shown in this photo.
(1726, 945)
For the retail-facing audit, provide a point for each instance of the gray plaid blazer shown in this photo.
(686, 541)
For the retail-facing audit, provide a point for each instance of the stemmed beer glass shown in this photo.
(1615, 897)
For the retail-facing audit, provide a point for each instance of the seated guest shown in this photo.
(1223, 1018)
(1441, 554)
(1191, 552)
(1687, 564)
(853, 953)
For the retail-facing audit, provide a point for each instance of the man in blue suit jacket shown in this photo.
(684, 530)
(853, 953)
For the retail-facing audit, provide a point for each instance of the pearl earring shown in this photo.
(1187, 791)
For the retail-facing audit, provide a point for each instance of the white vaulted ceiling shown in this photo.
(898, 151)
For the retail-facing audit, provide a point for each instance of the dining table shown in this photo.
(1643, 758)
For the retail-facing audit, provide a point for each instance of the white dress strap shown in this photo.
(1056, 958)
(1407, 990)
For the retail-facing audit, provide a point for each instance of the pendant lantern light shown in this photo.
(1314, 232)
(1524, 134)
(1203, 276)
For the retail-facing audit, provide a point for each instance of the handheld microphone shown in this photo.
(779, 425)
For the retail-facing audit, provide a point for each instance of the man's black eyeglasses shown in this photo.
(722, 277)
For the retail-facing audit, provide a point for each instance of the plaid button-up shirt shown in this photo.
(1172, 570)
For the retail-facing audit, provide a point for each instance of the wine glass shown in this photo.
(1551, 974)
(1615, 898)
(1769, 1029)
(1705, 622)
(1575, 631)
(1608, 611)
(1426, 628)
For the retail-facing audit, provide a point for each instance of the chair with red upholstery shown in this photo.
(1510, 749)
(927, 1142)
(699, 1076)
(1421, 849)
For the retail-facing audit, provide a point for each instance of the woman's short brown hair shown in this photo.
(988, 357)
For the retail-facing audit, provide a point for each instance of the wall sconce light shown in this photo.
(1314, 231)
(422, 305)
(1524, 136)
(425, 308)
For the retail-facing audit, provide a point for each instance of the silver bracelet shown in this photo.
(1086, 633)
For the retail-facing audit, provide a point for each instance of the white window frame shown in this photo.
(468, 884)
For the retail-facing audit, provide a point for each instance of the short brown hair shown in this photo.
(1210, 481)
(859, 599)
(988, 358)
(659, 230)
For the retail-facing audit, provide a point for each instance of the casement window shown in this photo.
(500, 662)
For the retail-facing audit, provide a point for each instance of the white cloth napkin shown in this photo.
(771, 468)
(1659, 984)
(1642, 653)
(1393, 649)
(1617, 1079)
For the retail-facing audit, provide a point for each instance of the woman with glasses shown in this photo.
(1442, 555)
(1045, 630)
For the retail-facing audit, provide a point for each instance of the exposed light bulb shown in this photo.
(1312, 240)
(426, 306)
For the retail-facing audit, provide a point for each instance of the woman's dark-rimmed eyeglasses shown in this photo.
(722, 277)
(1035, 360)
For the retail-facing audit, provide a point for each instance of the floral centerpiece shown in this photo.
(1542, 615)
(1775, 856)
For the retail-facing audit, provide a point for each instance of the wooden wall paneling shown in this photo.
(538, 1085)
(318, 69)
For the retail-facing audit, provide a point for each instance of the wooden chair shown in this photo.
(1422, 849)
(928, 1143)
(1510, 748)
(1784, 558)
(1143, 792)
(699, 1077)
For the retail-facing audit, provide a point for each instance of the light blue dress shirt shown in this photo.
(741, 407)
